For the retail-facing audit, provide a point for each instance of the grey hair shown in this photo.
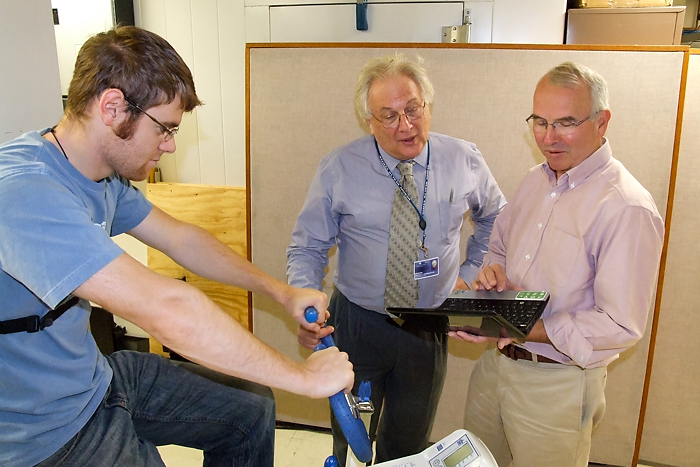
(388, 66)
(571, 74)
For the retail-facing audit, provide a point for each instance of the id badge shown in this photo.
(427, 268)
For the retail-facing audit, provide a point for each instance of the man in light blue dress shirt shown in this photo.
(349, 204)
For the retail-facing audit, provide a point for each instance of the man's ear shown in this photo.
(602, 121)
(112, 107)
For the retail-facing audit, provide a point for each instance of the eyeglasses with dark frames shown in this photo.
(393, 119)
(168, 133)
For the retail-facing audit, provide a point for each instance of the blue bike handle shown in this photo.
(311, 316)
(353, 428)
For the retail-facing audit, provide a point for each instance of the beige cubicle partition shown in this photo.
(300, 107)
(672, 421)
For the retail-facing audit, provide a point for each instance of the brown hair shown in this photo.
(143, 65)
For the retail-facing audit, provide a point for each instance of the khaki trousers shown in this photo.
(534, 414)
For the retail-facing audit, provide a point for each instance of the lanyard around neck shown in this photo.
(421, 223)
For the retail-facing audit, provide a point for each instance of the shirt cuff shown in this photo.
(468, 272)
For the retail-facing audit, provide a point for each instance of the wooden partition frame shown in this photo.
(670, 415)
(299, 108)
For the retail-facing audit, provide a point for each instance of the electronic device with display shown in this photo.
(460, 449)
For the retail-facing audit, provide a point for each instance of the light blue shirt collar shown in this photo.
(392, 162)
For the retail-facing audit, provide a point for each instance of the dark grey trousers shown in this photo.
(406, 367)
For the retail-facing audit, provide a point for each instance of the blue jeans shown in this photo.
(152, 402)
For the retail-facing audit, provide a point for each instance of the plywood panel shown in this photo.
(483, 94)
(672, 421)
(220, 210)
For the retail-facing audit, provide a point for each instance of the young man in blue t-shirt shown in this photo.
(65, 191)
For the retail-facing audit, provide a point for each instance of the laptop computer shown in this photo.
(486, 312)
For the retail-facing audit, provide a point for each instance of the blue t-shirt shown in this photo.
(55, 229)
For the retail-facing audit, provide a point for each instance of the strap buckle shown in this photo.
(34, 323)
(27, 324)
(45, 322)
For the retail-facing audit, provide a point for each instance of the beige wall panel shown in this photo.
(301, 108)
(218, 209)
(672, 421)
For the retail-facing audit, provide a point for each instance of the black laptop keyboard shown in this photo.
(518, 312)
(487, 313)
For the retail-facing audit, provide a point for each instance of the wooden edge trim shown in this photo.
(440, 45)
(248, 213)
(664, 253)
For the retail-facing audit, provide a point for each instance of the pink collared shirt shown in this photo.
(593, 240)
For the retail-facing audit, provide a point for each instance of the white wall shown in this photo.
(78, 20)
(30, 90)
(211, 36)
(529, 21)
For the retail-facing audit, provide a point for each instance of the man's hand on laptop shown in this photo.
(493, 277)
(490, 277)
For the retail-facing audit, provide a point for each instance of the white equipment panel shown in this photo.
(460, 449)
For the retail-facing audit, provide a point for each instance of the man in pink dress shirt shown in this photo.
(581, 227)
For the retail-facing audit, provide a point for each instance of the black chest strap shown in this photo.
(35, 323)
